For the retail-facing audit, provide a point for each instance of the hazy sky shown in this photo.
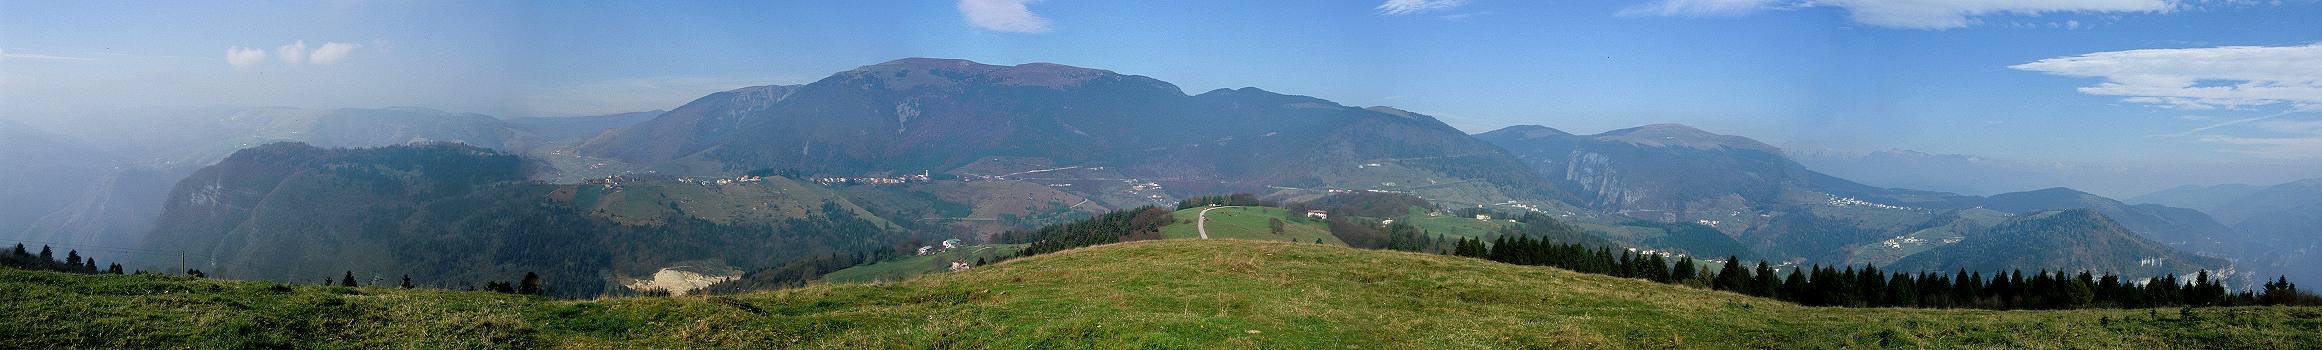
(2146, 82)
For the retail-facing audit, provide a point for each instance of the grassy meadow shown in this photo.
(1154, 294)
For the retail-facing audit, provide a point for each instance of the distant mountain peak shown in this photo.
(2058, 191)
(1531, 132)
(919, 72)
(2314, 182)
(1398, 112)
(929, 62)
(1680, 135)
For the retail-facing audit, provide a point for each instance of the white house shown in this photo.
(1318, 214)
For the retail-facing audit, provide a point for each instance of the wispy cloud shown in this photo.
(1405, 7)
(241, 57)
(1944, 14)
(2227, 123)
(5, 55)
(332, 52)
(2200, 78)
(1698, 8)
(1903, 14)
(1007, 16)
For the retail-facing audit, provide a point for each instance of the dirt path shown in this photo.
(1201, 221)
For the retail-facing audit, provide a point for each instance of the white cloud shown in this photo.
(1405, 7)
(330, 52)
(5, 55)
(1944, 14)
(1905, 14)
(241, 57)
(1008, 16)
(1698, 8)
(2232, 77)
(294, 53)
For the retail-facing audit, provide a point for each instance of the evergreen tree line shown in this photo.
(1363, 203)
(46, 260)
(1869, 287)
(1396, 236)
(531, 284)
(795, 273)
(1142, 223)
(1237, 199)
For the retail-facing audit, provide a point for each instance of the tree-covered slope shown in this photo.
(460, 216)
(1158, 294)
(2067, 240)
(918, 114)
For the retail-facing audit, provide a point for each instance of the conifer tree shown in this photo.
(348, 279)
(1683, 271)
(1765, 282)
(1731, 276)
(530, 285)
(406, 281)
(1794, 286)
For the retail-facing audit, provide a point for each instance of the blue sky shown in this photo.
(2225, 85)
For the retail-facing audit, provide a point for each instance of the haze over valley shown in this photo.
(996, 173)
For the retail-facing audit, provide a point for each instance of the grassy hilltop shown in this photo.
(1154, 294)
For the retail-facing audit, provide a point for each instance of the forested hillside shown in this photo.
(457, 217)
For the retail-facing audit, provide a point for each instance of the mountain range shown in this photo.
(1759, 196)
(913, 115)
(1013, 147)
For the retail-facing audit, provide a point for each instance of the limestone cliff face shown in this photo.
(1662, 168)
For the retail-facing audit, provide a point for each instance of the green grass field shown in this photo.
(906, 268)
(1249, 223)
(1155, 294)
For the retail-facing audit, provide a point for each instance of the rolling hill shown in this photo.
(942, 115)
(1250, 223)
(459, 215)
(2278, 232)
(2068, 240)
(1155, 294)
(113, 193)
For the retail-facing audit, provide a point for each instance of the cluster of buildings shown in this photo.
(611, 183)
(1342, 190)
(1850, 201)
(947, 244)
(1151, 191)
(721, 181)
(871, 180)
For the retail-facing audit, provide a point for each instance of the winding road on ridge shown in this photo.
(1201, 221)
